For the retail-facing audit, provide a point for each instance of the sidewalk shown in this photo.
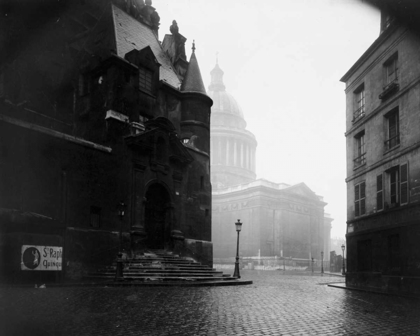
(373, 290)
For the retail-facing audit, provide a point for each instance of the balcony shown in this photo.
(389, 89)
(359, 113)
(360, 160)
(392, 142)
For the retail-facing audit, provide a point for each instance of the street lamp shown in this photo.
(119, 269)
(312, 265)
(344, 267)
(236, 274)
(322, 262)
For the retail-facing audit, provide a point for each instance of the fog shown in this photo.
(283, 60)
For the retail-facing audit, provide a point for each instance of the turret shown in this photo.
(195, 115)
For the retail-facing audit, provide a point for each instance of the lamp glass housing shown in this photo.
(343, 247)
(238, 225)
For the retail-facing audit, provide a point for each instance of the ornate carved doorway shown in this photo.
(156, 216)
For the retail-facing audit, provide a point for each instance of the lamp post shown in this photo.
(312, 265)
(344, 267)
(236, 274)
(322, 262)
(119, 269)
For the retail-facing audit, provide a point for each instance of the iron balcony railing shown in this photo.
(392, 142)
(390, 84)
(359, 113)
(389, 88)
(360, 160)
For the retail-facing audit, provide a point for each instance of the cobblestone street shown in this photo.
(276, 304)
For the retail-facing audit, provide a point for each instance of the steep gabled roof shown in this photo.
(131, 34)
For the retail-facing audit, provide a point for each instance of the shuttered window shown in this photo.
(404, 183)
(379, 193)
(360, 199)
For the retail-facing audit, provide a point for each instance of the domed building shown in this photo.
(233, 147)
(279, 220)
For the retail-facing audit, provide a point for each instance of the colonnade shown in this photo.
(230, 151)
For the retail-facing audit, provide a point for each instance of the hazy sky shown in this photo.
(283, 60)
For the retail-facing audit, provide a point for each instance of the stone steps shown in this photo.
(158, 266)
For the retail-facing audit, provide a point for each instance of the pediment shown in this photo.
(302, 189)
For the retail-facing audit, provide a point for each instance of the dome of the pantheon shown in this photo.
(233, 147)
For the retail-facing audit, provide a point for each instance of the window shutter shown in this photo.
(404, 183)
(379, 193)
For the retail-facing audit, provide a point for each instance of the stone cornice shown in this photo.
(56, 134)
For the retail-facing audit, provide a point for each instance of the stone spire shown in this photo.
(193, 80)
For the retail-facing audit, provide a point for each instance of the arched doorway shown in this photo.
(156, 216)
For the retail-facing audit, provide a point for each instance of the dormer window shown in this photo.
(386, 21)
(148, 69)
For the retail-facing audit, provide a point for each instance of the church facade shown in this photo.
(104, 140)
(278, 219)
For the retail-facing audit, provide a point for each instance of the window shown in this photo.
(393, 130)
(360, 199)
(393, 186)
(391, 71)
(145, 80)
(360, 149)
(359, 103)
(397, 185)
(379, 193)
(364, 255)
(404, 183)
(390, 77)
(386, 21)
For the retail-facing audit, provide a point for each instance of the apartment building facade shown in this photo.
(383, 162)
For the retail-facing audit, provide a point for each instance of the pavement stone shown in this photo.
(276, 303)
